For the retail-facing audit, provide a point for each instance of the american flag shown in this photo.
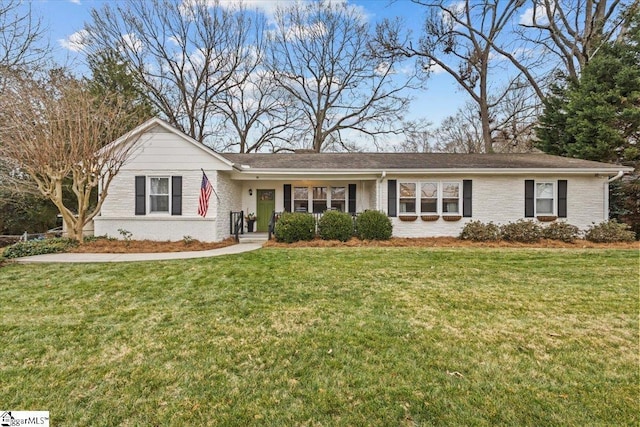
(205, 193)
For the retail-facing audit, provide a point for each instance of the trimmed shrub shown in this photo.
(561, 231)
(521, 231)
(296, 226)
(335, 225)
(373, 225)
(39, 247)
(609, 232)
(478, 231)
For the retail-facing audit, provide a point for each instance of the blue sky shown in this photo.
(439, 98)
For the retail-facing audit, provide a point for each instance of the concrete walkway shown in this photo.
(75, 257)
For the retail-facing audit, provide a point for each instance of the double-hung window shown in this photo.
(544, 198)
(429, 197)
(300, 199)
(407, 198)
(338, 198)
(451, 198)
(319, 199)
(159, 194)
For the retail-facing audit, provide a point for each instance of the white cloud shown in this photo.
(303, 32)
(453, 11)
(132, 42)
(75, 42)
(539, 12)
(74, 1)
(268, 7)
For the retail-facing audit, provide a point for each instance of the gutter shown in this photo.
(619, 175)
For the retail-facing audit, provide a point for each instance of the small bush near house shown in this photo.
(294, 227)
(39, 247)
(335, 225)
(478, 231)
(561, 231)
(373, 225)
(521, 231)
(609, 232)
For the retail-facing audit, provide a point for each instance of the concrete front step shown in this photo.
(253, 237)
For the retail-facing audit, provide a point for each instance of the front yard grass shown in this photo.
(357, 336)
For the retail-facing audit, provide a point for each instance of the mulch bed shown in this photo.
(148, 246)
(451, 242)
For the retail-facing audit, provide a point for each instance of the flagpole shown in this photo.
(214, 190)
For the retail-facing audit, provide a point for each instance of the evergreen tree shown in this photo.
(110, 75)
(598, 118)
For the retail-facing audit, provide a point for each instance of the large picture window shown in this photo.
(435, 198)
(159, 194)
(544, 198)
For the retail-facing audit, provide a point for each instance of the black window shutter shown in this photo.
(352, 198)
(562, 198)
(529, 195)
(176, 195)
(287, 197)
(392, 197)
(466, 198)
(140, 195)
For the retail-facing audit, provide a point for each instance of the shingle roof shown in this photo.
(397, 161)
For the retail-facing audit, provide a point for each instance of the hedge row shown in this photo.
(333, 225)
(39, 247)
(531, 232)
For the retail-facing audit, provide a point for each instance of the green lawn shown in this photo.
(327, 337)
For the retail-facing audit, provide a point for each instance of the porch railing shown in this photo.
(236, 224)
(275, 216)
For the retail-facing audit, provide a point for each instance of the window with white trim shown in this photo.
(158, 194)
(429, 197)
(338, 198)
(319, 199)
(300, 199)
(407, 198)
(544, 198)
(436, 198)
(451, 198)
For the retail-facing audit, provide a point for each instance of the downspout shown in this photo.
(379, 191)
(619, 175)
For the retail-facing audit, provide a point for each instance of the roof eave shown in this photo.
(241, 171)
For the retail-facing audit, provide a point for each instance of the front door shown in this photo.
(266, 205)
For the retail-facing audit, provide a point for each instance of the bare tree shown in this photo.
(322, 56)
(461, 132)
(574, 30)
(55, 131)
(21, 36)
(460, 38)
(256, 109)
(418, 137)
(185, 55)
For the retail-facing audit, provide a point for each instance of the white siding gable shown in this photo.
(161, 150)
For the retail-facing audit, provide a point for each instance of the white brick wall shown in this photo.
(118, 210)
(500, 199)
(230, 193)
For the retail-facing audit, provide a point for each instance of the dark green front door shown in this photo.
(266, 205)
